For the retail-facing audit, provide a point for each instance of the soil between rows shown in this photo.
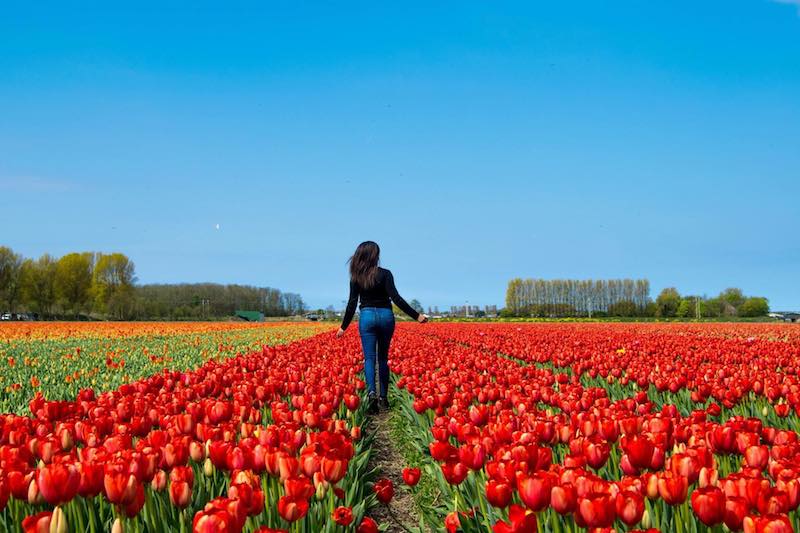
(389, 462)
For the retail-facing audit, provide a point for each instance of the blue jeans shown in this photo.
(376, 326)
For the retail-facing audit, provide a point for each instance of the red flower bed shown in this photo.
(261, 439)
(604, 425)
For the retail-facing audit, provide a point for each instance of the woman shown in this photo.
(374, 286)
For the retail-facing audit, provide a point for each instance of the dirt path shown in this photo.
(390, 464)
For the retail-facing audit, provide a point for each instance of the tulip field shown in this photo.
(504, 427)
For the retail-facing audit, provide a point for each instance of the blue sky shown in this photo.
(475, 141)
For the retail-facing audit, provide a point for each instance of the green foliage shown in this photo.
(623, 308)
(537, 298)
(687, 308)
(73, 281)
(10, 271)
(573, 297)
(39, 283)
(210, 300)
(732, 296)
(104, 285)
(754, 306)
(667, 302)
(112, 285)
(416, 306)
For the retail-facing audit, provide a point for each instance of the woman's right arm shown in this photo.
(352, 302)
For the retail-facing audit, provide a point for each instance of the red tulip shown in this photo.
(18, 483)
(498, 493)
(384, 490)
(298, 488)
(736, 509)
(292, 510)
(672, 488)
(58, 482)
(639, 450)
(411, 476)
(452, 522)
(596, 452)
(707, 477)
(629, 506)
(563, 498)
(120, 487)
(709, 505)
(352, 401)
(597, 510)
(454, 473)
(442, 451)
(180, 494)
(535, 490)
(289, 466)
(757, 457)
(772, 501)
(520, 520)
(771, 523)
(367, 525)
(213, 521)
(234, 509)
(159, 481)
(342, 516)
(473, 456)
(38, 523)
(334, 469)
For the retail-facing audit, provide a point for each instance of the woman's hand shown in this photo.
(339, 333)
(422, 318)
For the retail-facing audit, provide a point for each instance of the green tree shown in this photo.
(112, 285)
(73, 281)
(689, 307)
(667, 302)
(39, 283)
(624, 308)
(755, 306)
(10, 270)
(513, 296)
(733, 297)
(416, 306)
(685, 308)
(713, 307)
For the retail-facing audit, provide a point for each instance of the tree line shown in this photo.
(729, 303)
(212, 300)
(100, 285)
(575, 297)
(622, 298)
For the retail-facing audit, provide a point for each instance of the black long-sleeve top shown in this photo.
(382, 294)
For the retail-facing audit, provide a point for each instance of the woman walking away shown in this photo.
(374, 286)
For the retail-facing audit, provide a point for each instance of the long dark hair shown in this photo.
(364, 264)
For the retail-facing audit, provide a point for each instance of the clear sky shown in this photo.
(475, 141)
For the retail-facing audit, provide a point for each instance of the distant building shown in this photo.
(471, 311)
(250, 316)
(786, 316)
